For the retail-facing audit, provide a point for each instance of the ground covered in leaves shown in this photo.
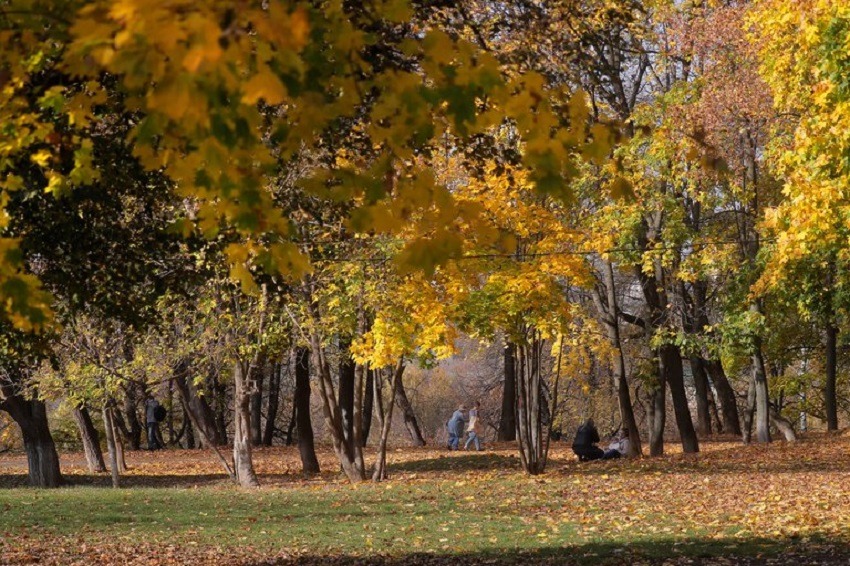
(730, 504)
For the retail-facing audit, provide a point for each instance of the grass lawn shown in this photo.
(782, 504)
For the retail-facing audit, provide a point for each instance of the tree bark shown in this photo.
(347, 369)
(379, 471)
(189, 412)
(243, 463)
(658, 418)
(701, 386)
(409, 416)
(368, 404)
(762, 394)
(131, 418)
(258, 374)
(528, 407)
(830, 401)
(507, 422)
(112, 446)
(671, 363)
(309, 462)
(90, 439)
(42, 458)
(273, 403)
(726, 396)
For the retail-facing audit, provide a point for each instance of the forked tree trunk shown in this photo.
(243, 463)
(726, 397)
(189, 412)
(90, 439)
(529, 429)
(507, 422)
(409, 416)
(379, 471)
(42, 459)
(301, 402)
(201, 414)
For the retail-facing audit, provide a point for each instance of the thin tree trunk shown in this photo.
(659, 418)
(243, 463)
(702, 396)
(258, 374)
(134, 427)
(301, 402)
(750, 411)
(368, 404)
(379, 472)
(90, 439)
(183, 390)
(410, 421)
(726, 396)
(347, 370)
(273, 403)
(112, 446)
(507, 422)
(831, 404)
(762, 394)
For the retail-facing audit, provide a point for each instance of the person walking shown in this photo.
(473, 428)
(456, 425)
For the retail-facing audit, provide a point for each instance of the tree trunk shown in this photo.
(258, 374)
(189, 412)
(203, 416)
(749, 411)
(671, 362)
(702, 395)
(658, 420)
(131, 418)
(243, 463)
(273, 403)
(379, 471)
(783, 426)
(368, 404)
(112, 446)
(409, 416)
(528, 410)
(507, 422)
(90, 439)
(309, 462)
(831, 404)
(726, 396)
(762, 394)
(42, 459)
(347, 369)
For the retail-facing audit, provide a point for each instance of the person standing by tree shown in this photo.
(152, 407)
(473, 428)
(456, 425)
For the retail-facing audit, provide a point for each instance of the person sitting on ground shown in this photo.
(584, 444)
(456, 425)
(619, 447)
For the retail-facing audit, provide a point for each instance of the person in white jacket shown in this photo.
(619, 447)
(472, 428)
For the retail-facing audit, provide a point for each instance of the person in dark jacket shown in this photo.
(152, 423)
(585, 441)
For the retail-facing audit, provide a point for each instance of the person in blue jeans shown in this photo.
(456, 425)
(472, 428)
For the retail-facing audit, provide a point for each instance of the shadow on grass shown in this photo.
(761, 552)
(472, 461)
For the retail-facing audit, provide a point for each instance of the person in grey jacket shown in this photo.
(152, 424)
(456, 425)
